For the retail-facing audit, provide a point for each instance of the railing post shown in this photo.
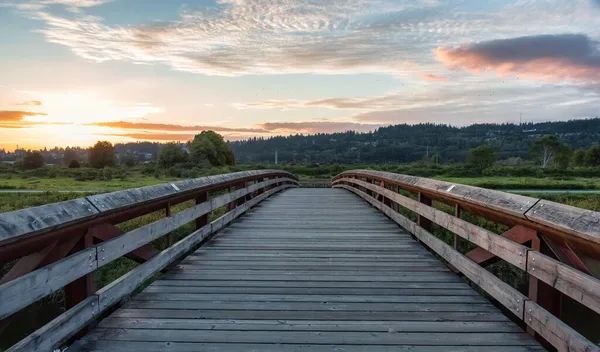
(203, 220)
(170, 234)
(421, 220)
(457, 214)
(540, 292)
(83, 287)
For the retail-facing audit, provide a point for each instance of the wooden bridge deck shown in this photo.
(309, 270)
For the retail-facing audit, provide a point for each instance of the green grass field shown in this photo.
(547, 183)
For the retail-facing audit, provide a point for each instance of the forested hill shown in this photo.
(408, 143)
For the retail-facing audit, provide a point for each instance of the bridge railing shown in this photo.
(553, 243)
(60, 245)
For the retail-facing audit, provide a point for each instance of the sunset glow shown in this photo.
(74, 72)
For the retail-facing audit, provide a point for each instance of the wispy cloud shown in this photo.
(318, 126)
(169, 127)
(16, 116)
(570, 57)
(155, 136)
(31, 103)
(267, 36)
(432, 77)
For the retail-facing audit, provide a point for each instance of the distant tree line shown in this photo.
(401, 144)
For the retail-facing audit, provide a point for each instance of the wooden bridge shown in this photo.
(273, 267)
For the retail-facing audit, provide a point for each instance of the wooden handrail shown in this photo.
(579, 227)
(27, 288)
(583, 288)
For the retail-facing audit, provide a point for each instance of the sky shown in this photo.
(76, 71)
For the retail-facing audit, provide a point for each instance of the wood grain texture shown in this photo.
(308, 269)
(577, 285)
(503, 247)
(60, 329)
(29, 288)
(559, 334)
(29, 222)
(501, 291)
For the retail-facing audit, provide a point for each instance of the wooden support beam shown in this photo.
(421, 220)
(105, 232)
(84, 287)
(170, 234)
(543, 294)
(457, 214)
(519, 234)
(202, 220)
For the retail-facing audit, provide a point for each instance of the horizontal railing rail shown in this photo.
(68, 229)
(547, 221)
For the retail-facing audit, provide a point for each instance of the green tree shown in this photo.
(74, 164)
(210, 147)
(171, 154)
(545, 149)
(579, 157)
(563, 156)
(102, 154)
(69, 155)
(481, 157)
(592, 156)
(129, 159)
(33, 160)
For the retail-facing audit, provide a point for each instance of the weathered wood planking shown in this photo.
(577, 222)
(504, 248)
(303, 271)
(123, 199)
(577, 285)
(21, 292)
(28, 222)
(60, 329)
(46, 280)
(21, 224)
(119, 246)
(513, 204)
(501, 291)
(559, 334)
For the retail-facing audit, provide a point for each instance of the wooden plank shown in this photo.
(29, 288)
(309, 325)
(513, 204)
(136, 346)
(59, 330)
(577, 285)
(170, 296)
(312, 306)
(114, 201)
(501, 291)
(364, 315)
(402, 277)
(132, 240)
(161, 287)
(512, 252)
(555, 331)
(249, 282)
(24, 223)
(581, 224)
(127, 283)
(307, 337)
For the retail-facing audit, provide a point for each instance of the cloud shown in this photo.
(31, 103)
(267, 36)
(168, 127)
(74, 3)
(318, 127)
(432, 77)
(17, 116)
(156, 136)
(565, 57)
